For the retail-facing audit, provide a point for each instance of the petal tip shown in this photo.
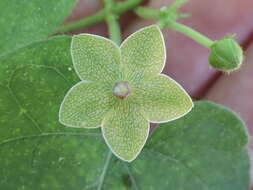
(126, 158)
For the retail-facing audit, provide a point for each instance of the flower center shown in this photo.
(121, 90)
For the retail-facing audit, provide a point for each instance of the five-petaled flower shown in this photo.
(122, 89)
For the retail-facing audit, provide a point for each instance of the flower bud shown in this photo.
(226, 55)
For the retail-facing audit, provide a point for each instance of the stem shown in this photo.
(85, 22)
(166, 22)
(126, 6)
(147, 13)
(118, 9)
(112, 22)
(191, 33)
(113, 29)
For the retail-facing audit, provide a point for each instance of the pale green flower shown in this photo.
(122, 89)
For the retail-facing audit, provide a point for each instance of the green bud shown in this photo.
(226, 55)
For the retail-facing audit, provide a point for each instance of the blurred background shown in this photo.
(187, 62)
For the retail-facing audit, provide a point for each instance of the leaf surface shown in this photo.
(25, 21)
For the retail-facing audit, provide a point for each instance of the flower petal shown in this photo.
(85, 105)
(162, 99)
(143, 53)
(125, 131)
(95, 58)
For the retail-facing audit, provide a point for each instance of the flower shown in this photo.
(122, 90)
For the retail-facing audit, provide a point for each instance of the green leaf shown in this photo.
(203, 150)
(25, 21)
(95, 58)
(33, 82)
(85, 105)
(125, 130)
(143, 53)
(162, 99)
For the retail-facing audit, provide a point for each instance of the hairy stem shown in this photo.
(100, 16)
(126, 6)
(113, 28)
(148, 13)
(113, 10)
(85, 22)
(191, 33)
(112, 22)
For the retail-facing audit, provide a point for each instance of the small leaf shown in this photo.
(26, 21)
(162, 99)
(95, 58)
(125, 131)
(143, 53)
(85, 105)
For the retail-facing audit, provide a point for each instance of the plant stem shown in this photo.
(100, 16)
(191, 33)
(148, 13)
(126, 6)
(85, 22)
(112, 22)
(113, 29)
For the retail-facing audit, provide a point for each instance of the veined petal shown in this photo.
(162, 99)
(143, 53)
(85, 105)
(95, 58)
(125, 131)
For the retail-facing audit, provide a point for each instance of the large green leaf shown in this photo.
(205, 150)
(24, 21)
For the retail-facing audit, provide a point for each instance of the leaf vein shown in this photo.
(132, 178)
(14, 97)
(104, 171)
(183, 164)
(7, 141)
